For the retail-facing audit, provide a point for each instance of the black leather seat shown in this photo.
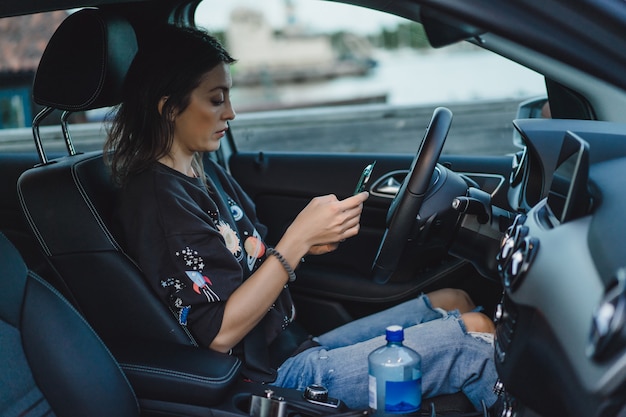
(51, 361)
(68, 202)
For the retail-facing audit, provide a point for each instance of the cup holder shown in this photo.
(265, 401)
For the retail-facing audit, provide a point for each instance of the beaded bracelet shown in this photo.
(284, 263)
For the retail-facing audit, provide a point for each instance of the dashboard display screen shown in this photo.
(567, 197)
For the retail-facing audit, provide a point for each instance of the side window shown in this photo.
(14, 107)
(22, 42)
(326, 77)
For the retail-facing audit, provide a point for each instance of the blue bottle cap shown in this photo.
(395, 333)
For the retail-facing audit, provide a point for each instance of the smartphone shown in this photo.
(365, 177)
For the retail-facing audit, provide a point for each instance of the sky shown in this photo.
(316, 14)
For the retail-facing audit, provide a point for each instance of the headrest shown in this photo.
(85, 63)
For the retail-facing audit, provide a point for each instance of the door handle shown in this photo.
(389, 185)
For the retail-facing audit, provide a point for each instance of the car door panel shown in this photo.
(339, 284)
(281, 184)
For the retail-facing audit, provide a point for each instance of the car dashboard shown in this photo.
(560, 344)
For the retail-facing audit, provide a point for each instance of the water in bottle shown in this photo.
(395, 377)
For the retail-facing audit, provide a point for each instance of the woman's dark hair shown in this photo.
(170, 63)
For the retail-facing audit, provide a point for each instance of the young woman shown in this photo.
(200, 244)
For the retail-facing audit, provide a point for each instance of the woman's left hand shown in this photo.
(322, 248)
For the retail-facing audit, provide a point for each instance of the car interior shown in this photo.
(88, 196)
(533, 236)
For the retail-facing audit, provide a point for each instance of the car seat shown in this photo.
(51, 361)
(67, 201)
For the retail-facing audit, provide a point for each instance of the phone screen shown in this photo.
(365, 177)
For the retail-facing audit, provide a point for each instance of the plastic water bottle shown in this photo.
(395, 377)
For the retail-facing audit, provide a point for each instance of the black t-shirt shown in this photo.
(196, 246)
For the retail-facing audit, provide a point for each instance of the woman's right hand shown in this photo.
(325, 221)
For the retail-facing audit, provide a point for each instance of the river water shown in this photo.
(409, 77)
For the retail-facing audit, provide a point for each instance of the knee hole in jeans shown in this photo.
(478, 322)
(451, 299)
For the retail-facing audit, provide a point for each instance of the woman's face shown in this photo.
(203, 123)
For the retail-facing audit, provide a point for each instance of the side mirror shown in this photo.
(534, 108)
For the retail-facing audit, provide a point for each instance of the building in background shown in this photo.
(269, 57)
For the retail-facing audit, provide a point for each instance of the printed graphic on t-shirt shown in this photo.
(173, 282)
(235, 210)
(195, 263)
(178, 286)
(191, 258)
(201, 285)
(183, 311)
(255, 249)
(233, 244)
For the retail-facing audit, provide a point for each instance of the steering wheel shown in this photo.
(406, 204)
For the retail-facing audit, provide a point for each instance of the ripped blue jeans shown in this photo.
(453, 360)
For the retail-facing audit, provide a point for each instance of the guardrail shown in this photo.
(478, 128)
